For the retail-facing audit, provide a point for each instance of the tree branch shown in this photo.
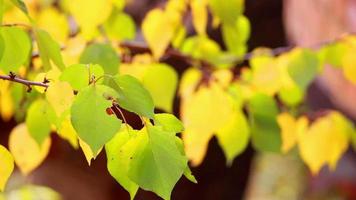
(12, 77)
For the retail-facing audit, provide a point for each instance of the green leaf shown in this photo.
(157, 164)
(38, 120)
(228, 10)
(161, 81)
(119, 152)
(120, 26)
(234, 136)
(187, 172)
(21, 5)
(303, 67)
(132, 95)
(7, 166)
(17, 49)
(265, 131)
(235, 35)
(102, 54)
(169, 122)
(291, 96)
(49, 50)
(2, 9)
(2, 46)
(78, 75)
(201, 47)
(89, 118)
(333, 53)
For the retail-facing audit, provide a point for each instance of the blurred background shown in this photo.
(252, 176)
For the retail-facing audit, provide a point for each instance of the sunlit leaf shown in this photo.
(79, 75)
(291, 128)
(88, 152)
(7, 166)
(60, 96)
(227, 10)
(157, 163)
(85, 12)
(207, 104)
(120, 26)
(235, 35)
(28, 155)
(302, 67)
(200, 15)
(37, 120)
(17, 49)
(158, 30)
(67, 132)
(161, 81)
(187, 172)
(349, 65)
(89, 118)
(169, 122)
(49, 50)
(102, 54)
(7, 104)
(132, 95)
(325, 141)
(51, 20)
(234, 136)
(119, 153)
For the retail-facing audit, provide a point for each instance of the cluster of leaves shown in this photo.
(88, 86)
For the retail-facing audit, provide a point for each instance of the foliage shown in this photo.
(83, 84)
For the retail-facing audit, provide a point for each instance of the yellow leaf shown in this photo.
(349, 65)
(189, 82)
(325, 141)
(88, 153)
(203, 113)
(27, 153)
(60, 95)
(223, 77)
(158, 30)
(290, 129)
(6, 101)
(68, 133)
(7, 166)
(200, 15)
(86, 14)
(54, 22)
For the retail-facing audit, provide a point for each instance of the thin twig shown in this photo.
(28, 83)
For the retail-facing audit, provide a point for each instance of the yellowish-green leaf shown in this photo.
(17, 48)
(227, 10)
(38, 120)
(7, 166)
(161, 81)
(234, 136)
(169, 122)
(28, 155)
(119, 153)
